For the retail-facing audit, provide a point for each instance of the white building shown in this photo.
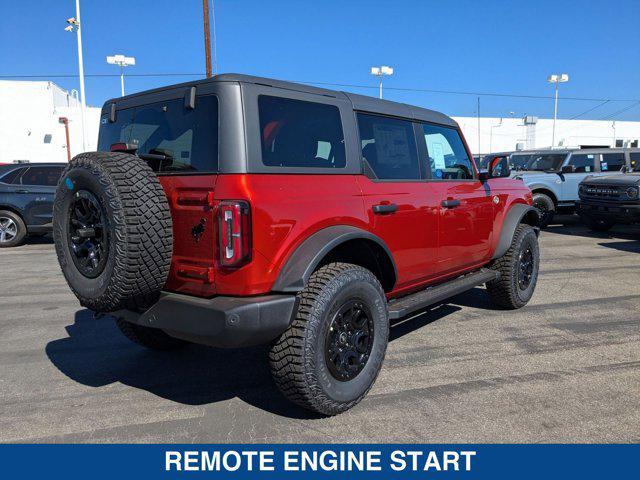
(507, 134)
(30, 127)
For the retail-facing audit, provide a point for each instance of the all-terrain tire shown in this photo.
(16, 229)
(136, 225)
(507, 291)
(546, 207)
(148, 337)
(298, 358)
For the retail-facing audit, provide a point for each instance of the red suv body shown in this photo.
(426, 240)
(296, 216)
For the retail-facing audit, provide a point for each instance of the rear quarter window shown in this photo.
(12, 177)
(298, 133)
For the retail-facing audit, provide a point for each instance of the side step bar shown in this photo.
(403, 306)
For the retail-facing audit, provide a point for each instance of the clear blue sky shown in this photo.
(463, 45)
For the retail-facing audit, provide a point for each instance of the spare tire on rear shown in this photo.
(113, 231)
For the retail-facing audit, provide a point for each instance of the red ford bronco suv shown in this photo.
(239, 211)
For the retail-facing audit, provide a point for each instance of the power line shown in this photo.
(350, 85)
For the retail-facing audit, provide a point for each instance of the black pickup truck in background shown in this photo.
(606, 201)
(26, 200)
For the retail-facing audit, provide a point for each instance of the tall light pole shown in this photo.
(380, 72)
(74, 24)
(557, 79)
(122, 62)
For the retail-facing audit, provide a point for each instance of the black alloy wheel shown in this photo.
(88, 236)
(525, 268)
(349, 340)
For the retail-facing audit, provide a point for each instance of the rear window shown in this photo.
(296, 133)
(179, 138)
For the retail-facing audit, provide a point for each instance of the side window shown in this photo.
(389, 147)
(635, 161)
(296, 133)
(583, 163)
(13, 177)
(612, 162)
(448, 158)
(42, 176)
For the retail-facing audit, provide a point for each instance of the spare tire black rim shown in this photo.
(349, 340)
(88, 237)
(525, 272)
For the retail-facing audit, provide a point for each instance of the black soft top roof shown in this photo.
(359, 102)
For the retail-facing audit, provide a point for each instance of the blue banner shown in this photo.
(320, 461)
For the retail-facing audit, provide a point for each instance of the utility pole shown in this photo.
(207, 37)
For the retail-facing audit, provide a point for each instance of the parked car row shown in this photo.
(554, 175)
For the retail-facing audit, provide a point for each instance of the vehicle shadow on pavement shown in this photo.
(96, 354)
(572, 226)
(404, 326)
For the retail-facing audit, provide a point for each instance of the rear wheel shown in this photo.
(518, 269)
(332, 353)
(12, 229)
(546, 207)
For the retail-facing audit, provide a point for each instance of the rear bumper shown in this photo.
(226, 322)
(619, 212)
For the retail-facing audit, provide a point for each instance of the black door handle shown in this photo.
(450, 203)
(385, 208)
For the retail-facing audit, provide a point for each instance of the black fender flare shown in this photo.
(517, 214)
(305, 258)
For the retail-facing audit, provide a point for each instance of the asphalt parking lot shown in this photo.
(566, 368)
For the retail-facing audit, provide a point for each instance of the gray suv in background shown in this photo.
(554, 175)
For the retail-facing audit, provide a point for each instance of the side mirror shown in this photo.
(498, 168)
(568, 169)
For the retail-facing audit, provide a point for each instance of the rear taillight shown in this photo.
(234, 233)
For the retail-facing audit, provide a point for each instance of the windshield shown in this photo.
(546, 161)
(518, 162)
(173, 137)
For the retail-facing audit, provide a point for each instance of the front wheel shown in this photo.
(330, 356)
(518, 269)
(546, 207)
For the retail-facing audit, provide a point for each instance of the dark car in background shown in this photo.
(26, 200)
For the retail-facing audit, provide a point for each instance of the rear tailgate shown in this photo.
(194, 237)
